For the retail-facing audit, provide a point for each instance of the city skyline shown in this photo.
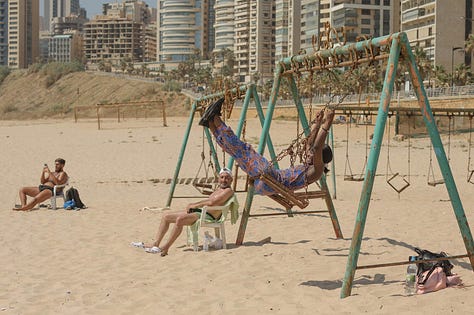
(94, 7)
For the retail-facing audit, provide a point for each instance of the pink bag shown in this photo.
(436, 281)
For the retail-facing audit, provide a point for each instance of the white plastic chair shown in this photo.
(218, 225)
(58, 193)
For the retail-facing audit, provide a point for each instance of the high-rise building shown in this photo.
(59, 8)
(288, 27)
(113, 38)
(23, 33)
(3, 32)
(149, 43)
(429, 25)
(183, 28)
(370, 18)
(134, 10)
(224, 24)
(254, 45)
(310, 23)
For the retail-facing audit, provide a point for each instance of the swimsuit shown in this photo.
(43, 187)
(254, 164)
(199, 211)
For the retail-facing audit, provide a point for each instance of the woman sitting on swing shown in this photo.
(317, 153)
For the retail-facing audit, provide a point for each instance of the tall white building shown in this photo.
(254, 45)
(288, 26)
(183, 29)
(310, 23)
(224, 24)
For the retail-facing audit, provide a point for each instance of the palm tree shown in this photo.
(469, 44)
(441, 78)
(462, 75)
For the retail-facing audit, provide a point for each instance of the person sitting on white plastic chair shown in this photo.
(47, 187)
(190, 215)
(231, 206)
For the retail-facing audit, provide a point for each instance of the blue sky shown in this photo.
(94, 7)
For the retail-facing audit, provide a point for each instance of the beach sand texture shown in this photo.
(81, 262)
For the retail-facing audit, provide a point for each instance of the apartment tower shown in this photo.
(113, 38)
(183, 29)
(310, 23)
(59, 8)
(440, 28)
(224, 24)
(366, 18)
(3, 32)
(23, 33)
(254, 45)
(287, 28)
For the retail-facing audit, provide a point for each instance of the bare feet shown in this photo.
(328, 118)
(21, 209)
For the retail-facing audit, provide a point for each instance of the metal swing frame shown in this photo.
(399, 45)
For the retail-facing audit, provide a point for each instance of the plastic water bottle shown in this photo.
(410, 280)
(207, 239)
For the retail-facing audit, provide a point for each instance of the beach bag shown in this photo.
(434, 275)
(430, 266)
(73, 194)
(431, 281)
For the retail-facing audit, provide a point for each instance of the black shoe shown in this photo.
(211, 111)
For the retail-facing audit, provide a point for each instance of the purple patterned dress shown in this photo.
(254, 164)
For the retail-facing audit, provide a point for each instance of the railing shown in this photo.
(443, 92)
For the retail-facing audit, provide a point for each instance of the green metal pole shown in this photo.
(333, 163)
(212, 149)
(261, 117)
(261, 147)
(299, 106)
(181, 154)
(439, 151)
(371, 167)
(240, 126)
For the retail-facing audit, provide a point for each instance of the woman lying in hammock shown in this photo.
(294, 178)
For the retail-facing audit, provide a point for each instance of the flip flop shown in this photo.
(138, 244)
(153, 250)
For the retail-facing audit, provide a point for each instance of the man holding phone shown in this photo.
(45, 190)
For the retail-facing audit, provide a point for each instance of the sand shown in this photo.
(81, 262)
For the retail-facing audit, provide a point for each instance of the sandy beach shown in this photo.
(81, 262)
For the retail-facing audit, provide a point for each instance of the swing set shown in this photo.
(330, 58)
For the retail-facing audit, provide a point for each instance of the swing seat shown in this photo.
(354, 178)
(398, 183)
(291, 197)
(203, 187)
(436, 182)
(470, 177)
